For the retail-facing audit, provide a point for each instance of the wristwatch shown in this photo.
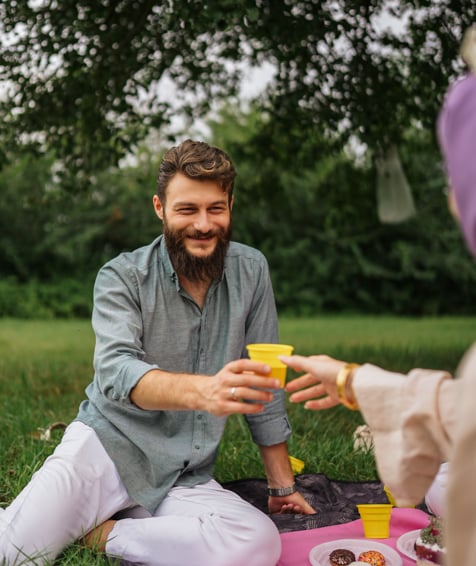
(281, 491)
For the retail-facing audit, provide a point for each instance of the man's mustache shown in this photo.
(198, 235)
(202, 235)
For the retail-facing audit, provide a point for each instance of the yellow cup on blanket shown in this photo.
(297, 465)
(375, 519)
(268, 354)
(389, 495)
(391, 499)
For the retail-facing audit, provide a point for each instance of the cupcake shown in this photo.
(429, 546)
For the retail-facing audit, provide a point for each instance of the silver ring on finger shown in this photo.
(233, 393)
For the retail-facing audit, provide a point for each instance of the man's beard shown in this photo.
(197, 269)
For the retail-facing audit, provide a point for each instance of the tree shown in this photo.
(364, 68)
(82, 76)
(299, 198)
(311, 209)
(87, 76)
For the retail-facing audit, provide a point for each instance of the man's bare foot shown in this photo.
(96, 538)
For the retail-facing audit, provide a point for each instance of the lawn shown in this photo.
(46, 365)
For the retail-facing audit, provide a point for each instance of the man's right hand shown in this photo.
(238, 388)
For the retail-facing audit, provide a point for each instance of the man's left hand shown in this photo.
(292, 504)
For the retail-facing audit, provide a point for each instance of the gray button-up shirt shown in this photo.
(144, 320)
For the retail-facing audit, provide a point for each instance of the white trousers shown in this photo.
(78, 488)
(436, 495)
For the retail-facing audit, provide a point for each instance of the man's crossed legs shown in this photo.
(78, 488)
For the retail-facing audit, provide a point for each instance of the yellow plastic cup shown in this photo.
(297, 465)
(375, 519)
(391, 499)
(389, 495)
(268, 354)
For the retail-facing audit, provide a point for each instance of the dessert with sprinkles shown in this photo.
(429, 546)
(372, 557)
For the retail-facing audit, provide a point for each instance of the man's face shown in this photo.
(197, 226)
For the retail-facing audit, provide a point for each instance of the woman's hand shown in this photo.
(317, 387)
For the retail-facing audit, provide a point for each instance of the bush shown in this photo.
(67, 298)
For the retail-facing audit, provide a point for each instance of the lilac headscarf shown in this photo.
(457, 136)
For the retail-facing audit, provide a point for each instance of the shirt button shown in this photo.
(199, 417)
(197, 446)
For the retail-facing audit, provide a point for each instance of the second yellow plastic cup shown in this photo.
(391, 499)
(268, 354)
(389, 495)
(375, 519)
(297, 465)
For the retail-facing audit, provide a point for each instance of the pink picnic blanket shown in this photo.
(298, 544)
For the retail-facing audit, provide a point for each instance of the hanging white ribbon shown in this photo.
(394, 197)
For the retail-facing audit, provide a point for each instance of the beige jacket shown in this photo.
(418, 421)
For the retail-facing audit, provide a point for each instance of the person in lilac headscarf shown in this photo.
(456, 133)
(421, 420)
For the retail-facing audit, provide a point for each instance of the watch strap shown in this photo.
(281, 491)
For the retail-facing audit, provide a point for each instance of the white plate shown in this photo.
(405, 543)
(319, 555)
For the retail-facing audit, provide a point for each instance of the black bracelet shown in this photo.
(281, 491)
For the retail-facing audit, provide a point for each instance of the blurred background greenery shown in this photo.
(313, 215)
(93, 92)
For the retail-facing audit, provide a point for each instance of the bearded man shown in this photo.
(133, 474)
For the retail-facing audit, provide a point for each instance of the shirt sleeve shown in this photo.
(271, 426)
(412, 422)
(117, 322)
(262, 318)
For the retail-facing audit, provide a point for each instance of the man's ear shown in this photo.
(232, 200)
(159, 209)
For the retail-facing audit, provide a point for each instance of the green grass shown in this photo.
(46, 365)
(396, 343)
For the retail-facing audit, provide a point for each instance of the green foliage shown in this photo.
(85, 82)
(53, 242)
(67, 298)
(311, 209)
(88, 78)
(309, 206)
(86, 74)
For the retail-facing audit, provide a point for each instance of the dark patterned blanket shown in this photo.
(334, 500)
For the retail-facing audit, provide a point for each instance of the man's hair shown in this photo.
(199, 161)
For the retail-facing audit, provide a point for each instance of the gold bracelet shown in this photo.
(341, 383)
